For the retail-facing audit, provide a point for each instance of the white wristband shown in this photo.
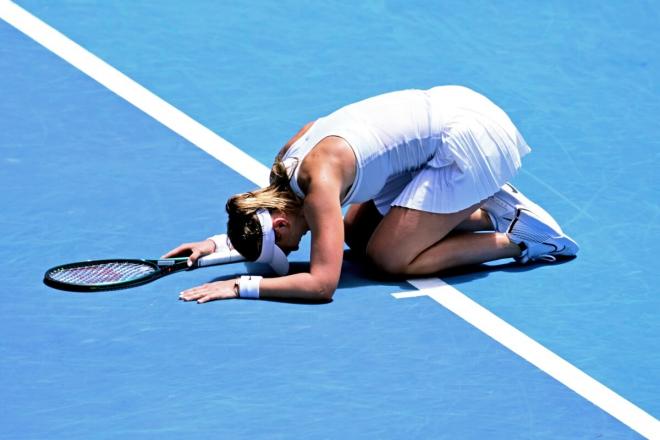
(248, 287)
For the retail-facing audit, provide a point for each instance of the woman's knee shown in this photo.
(386, 258)
(394, 262)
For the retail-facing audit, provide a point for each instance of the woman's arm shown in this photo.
(323, 179)
(322, 212)
(324, 217)
(326, 173)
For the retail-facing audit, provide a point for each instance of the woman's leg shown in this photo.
(362, 219)
(479, 220)
(410, 242)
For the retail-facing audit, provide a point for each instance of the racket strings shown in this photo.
(105, 273)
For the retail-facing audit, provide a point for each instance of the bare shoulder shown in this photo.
(291, 141)
(330, 164)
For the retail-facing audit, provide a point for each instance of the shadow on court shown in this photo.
(360, 273)
(357, 273)
(467, 274)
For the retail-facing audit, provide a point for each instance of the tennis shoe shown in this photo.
(502, 206)
(539, 240)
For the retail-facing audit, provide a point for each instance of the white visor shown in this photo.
(271, 254)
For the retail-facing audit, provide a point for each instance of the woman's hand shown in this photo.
(211, 292)
(192, 250)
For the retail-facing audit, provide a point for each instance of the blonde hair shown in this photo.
(243, 228)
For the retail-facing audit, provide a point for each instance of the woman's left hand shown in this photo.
(210, 292)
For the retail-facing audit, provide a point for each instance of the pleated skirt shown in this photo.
(480, 149)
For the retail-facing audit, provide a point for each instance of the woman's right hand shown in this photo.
(192, 250)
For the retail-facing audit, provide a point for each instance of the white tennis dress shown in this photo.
(439, 150)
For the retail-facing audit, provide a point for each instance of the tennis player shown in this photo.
(424, 175)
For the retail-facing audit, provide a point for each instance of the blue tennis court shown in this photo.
(86, 174)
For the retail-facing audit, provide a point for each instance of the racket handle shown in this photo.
(225, 256)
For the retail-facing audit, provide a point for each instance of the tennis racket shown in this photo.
(100, 275)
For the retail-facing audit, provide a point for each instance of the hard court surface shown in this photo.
(86, 174)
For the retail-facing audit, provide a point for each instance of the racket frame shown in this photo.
(163, 267)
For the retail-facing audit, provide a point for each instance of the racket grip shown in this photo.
(225, 256)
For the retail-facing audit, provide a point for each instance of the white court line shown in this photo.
(536, 354)
(256, 172)
(134, 93)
